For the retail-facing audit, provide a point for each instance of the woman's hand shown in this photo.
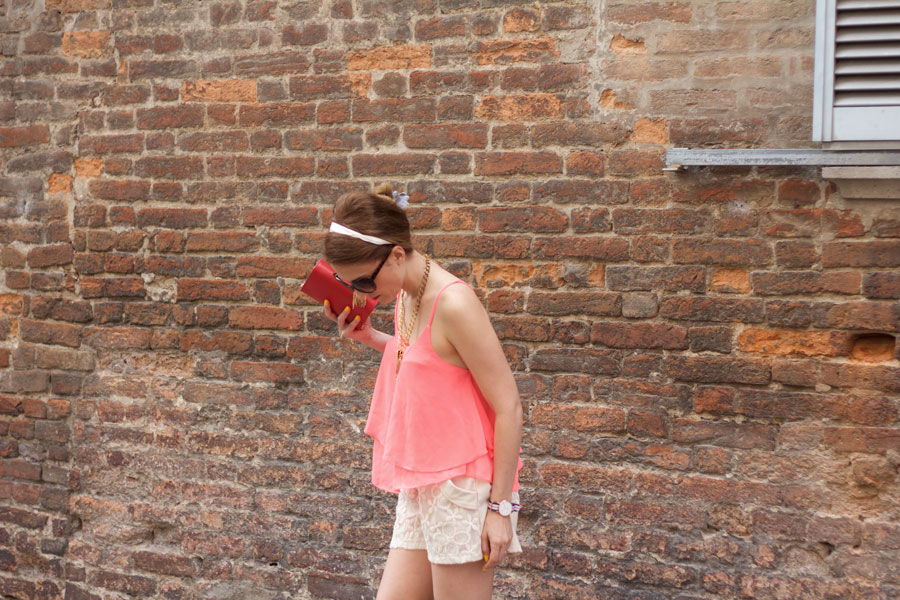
(496, 536)
(364, 334)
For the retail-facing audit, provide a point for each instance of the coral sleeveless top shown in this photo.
(430, 421)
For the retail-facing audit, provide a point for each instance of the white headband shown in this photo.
(338, 228)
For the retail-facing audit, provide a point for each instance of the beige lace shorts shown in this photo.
(446, 519)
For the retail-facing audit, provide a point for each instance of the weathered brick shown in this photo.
(579, 360)
(517, 163)
(576, 191)
(445, 136)
(600, 248)
(567, 303)
(785, 342)
(204, 289)
(806, 282)
(234, 90)
(514, 50)
(715, 339)
(86, 44)
(251, 166)
(316, 87)
(630, 14)
(40, 332)
(263, 317)
(862, 439)
(176, 218)
(703, 308)
(670, 279)
(721, 252)
(525, 107)
(882, 285)
(230, 141)
(538, 219)
(713, 369)
(267, 267)
(440, 27)
(608, 419)
(325, 140)
(308, 34)
(129, 584)
(881, 316)
(389, 58)
(112, 287)
(640, 335)
(861, 254)
(275, 63)
(168, 117)
(31, 135)
(267, 372)
(368, 165)
(46, 256)
(629, 221)
(169, 167)
(406, 110)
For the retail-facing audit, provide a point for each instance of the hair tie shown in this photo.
(401, 199)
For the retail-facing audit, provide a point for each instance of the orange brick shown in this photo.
(650, 131)
(11, 304)
(85, 44)
(731, 281)
(527, 107)
(59, 183)
(521, 19)
(873, 348)
(509, 51)
(622, 45)
(388, 58)
(608, 99)
(224, 90)
(88, 167)
(783, 342)
(360, 83)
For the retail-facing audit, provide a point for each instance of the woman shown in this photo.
(445, 415)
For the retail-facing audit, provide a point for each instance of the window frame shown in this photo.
(843, 124)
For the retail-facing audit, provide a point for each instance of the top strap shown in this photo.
(436, 298)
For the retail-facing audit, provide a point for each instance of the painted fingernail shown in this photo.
(356, 320)
(486, 558)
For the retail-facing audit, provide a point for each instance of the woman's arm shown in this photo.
(364, 334)
(468, 328)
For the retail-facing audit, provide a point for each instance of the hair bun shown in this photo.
(386, 190)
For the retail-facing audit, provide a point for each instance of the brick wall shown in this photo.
(708, 361)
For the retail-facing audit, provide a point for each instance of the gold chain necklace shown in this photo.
(403, 342)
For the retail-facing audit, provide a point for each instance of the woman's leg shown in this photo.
(407, 576)
(462, 582)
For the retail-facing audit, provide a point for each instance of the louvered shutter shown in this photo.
(857, 76)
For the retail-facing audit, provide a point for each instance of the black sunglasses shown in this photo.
(366, 285)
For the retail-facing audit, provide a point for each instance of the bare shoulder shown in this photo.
(458, 301)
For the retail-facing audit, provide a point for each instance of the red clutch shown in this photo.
(321, 285)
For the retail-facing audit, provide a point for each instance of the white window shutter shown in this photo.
(857, 73)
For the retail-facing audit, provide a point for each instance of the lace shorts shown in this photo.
(446, 519)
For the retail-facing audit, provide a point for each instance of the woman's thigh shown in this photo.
(462, 582)
(407, 575)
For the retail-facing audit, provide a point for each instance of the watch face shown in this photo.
(505, 508)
